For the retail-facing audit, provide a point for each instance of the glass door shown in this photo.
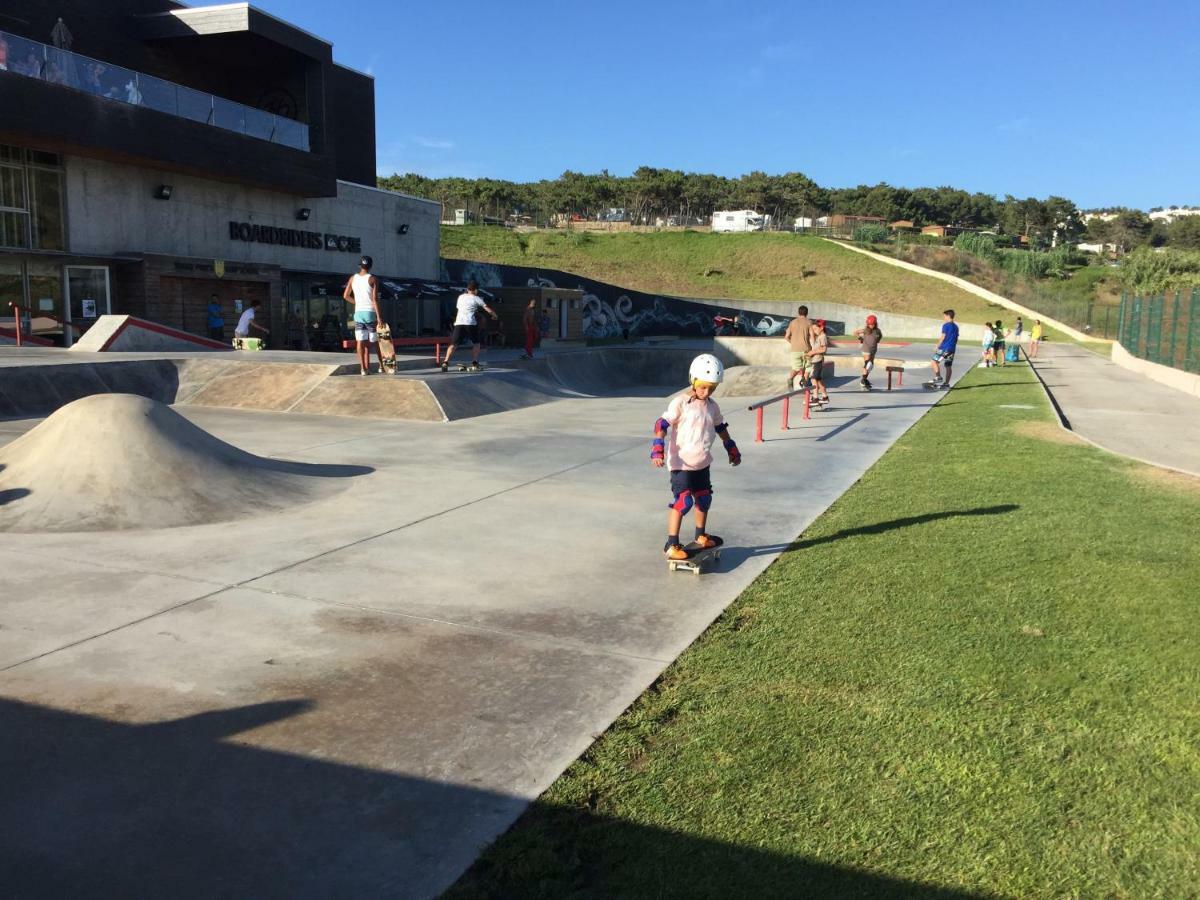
(45, 284)
(87, 297)
(12, 290)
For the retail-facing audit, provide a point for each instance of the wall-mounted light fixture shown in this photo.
(303, 213)
(403, 229)
(162, 192)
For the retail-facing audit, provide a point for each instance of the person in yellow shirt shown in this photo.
(1035, 339)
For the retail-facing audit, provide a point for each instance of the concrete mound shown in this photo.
(120, 461)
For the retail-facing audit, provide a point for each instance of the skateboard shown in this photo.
(387, 350)
(865, 386)
(932, 385)
(463, 367)
(697, 557)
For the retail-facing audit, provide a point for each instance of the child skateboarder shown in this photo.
(693, 421)
(943, 356)
(816, 364)
(869, 336)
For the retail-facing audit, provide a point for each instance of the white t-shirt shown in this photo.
(469, 306)
(693, 429)
(243, 325)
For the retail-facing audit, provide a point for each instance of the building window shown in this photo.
(31, 200)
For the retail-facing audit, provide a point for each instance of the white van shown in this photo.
(739, 220)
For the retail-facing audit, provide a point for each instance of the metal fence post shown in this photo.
(1135, 326)
(1190, 363)
(1121, 321)
(1154, 328)
(1174, 331)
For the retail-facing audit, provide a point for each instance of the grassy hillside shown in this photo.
(737, 266)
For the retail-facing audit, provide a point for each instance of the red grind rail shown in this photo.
(786, 401)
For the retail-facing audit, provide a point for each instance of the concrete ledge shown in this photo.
(129, 333)
(1168, 375)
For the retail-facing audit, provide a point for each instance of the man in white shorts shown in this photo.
(363, 290)
(466, 324)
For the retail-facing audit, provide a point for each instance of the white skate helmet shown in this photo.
(707, 367)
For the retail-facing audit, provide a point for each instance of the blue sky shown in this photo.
(1098, 102)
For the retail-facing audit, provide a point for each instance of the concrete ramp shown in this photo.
(129, 333)
(118, 462)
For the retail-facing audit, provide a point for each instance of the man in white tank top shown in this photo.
(363, 291)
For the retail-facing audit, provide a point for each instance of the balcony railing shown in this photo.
(22, 56)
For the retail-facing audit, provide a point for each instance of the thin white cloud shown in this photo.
(433, 143)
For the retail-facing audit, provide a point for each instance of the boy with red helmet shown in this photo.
(869, 336)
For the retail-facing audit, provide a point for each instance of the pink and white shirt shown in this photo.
(693, 429)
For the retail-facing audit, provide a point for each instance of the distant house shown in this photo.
(945, 230)
(1170, 215)
(902, 225)
(843, 221)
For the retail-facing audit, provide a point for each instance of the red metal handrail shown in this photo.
(785, 399)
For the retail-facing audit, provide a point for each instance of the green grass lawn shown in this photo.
(784, 267)
(977, 673)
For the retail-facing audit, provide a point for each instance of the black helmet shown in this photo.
(366, 262)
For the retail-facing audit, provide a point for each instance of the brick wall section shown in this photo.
(175, 292)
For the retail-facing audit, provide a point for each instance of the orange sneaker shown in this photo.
(676, 551)
(705, 541)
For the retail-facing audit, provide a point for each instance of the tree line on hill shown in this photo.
(1132, 228)
(651, 194)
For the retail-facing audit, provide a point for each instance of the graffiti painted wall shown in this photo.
(610, 311)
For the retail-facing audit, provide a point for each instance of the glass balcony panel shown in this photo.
(25, 57)
(229, 115)
(158, 94)
(36, 60)
(259, 124)
(194, 105)
(291, 133)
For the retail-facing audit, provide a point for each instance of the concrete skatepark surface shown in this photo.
(1122, 411)
(355, 695)
(118, 461)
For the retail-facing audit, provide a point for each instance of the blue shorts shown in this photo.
(690, 480)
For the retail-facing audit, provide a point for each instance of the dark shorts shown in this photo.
(998, 346)
(690, 480)
(815, 367)
(464, 332)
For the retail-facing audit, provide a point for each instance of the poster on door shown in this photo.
(89, 307)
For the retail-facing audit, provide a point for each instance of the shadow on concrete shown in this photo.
(98, 808)
(8, 496)
(893, 524)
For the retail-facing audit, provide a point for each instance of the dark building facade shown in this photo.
(153, 154)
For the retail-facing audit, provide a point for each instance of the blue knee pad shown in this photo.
(703, 500)
(683, 502)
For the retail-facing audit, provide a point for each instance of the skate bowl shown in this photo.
(210, 380)
(118, 462)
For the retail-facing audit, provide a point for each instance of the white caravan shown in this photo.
(739, 220)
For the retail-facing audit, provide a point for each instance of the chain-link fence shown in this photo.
(1162, 329)
(1092, 317)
